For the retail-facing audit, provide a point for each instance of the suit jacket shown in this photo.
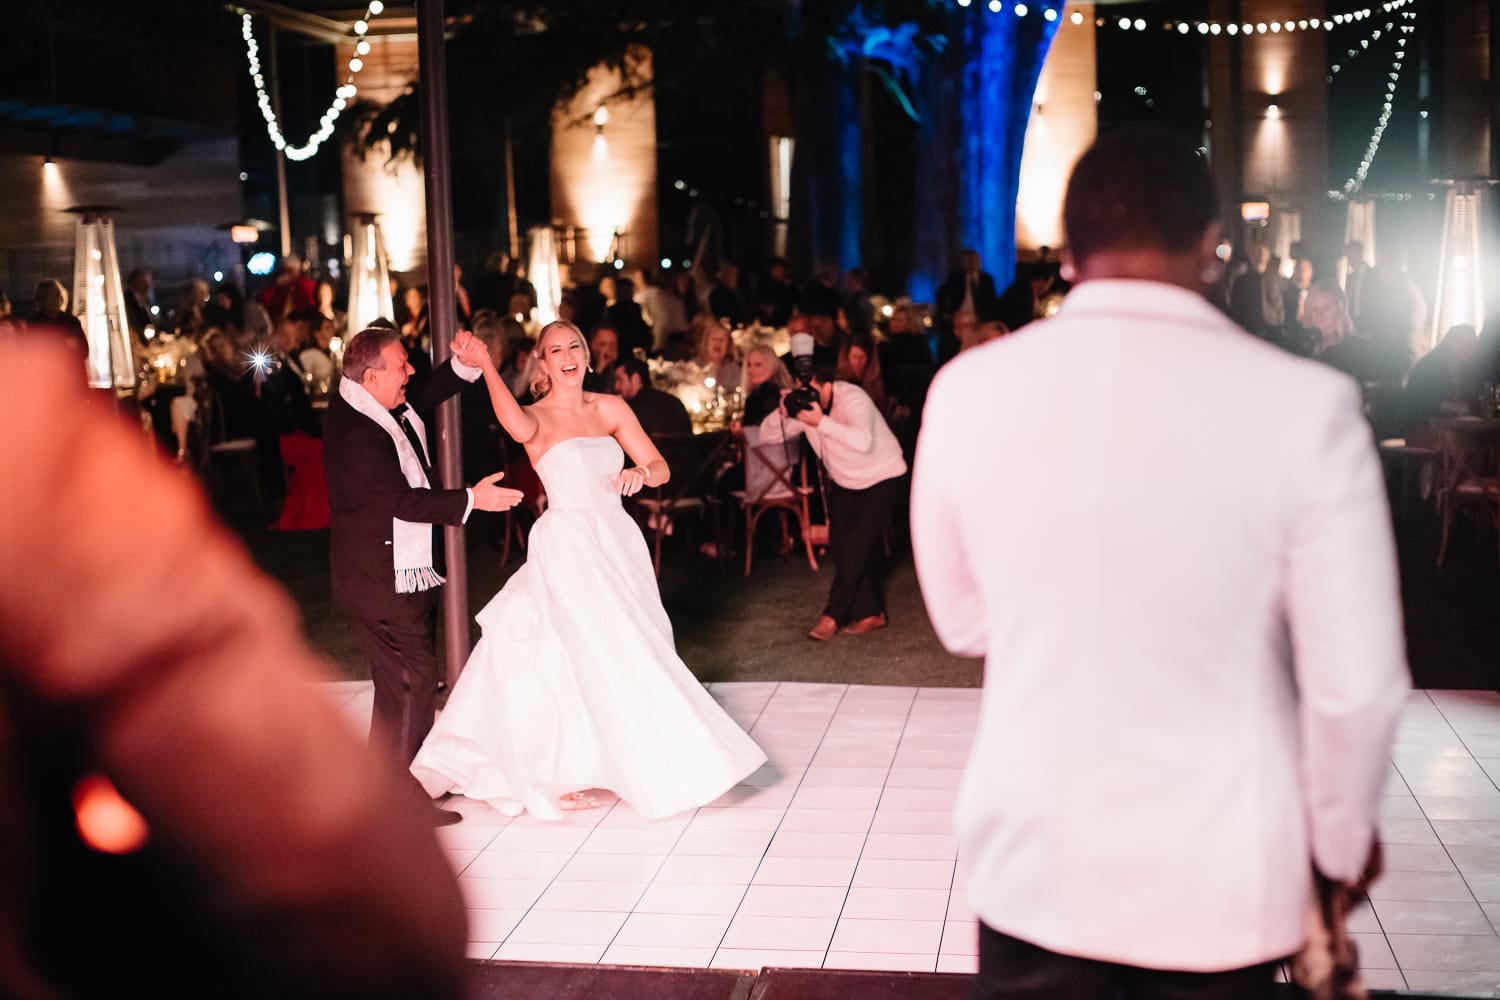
(366, 490)
(1191, 621)
(950, 297)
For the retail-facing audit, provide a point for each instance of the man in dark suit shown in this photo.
(659, 412)
(969, 289)
(138, 304)
(386, 565)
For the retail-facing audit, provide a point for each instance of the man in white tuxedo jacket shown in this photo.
(1171, 543)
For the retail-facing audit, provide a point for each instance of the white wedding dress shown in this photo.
(576, 683)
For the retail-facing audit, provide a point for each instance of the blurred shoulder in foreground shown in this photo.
(181, 812)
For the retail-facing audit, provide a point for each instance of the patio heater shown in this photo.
(542, 269)
(1460, 281)
(99, 299)
(369, 275)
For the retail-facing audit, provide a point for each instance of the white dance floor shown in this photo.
(840, 852)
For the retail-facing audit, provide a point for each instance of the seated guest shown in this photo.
(905, 351)
(859, 363)
(604, 350)
(316, 357)
(52, 318)
(292, 338)
(659, 412)
(765, 377)
(1340, 347)
(715, 352)
(1444, 381)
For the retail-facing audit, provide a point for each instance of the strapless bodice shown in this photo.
(580, 473)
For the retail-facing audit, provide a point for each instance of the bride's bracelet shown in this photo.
(645, 474)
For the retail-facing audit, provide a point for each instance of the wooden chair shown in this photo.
(769, 486)
(1469, 477)
(695, 461)
(1406, 460)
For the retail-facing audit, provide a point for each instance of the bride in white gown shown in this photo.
(576, 683)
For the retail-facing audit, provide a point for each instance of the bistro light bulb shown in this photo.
(376, 8)
(1077, 18)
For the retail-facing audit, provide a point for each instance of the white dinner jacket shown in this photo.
(1171, 543)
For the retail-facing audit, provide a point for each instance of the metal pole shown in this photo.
(442, 311)
(284, 213)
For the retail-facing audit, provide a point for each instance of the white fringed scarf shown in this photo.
(412, 543)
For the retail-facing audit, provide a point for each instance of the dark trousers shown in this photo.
(402, 650)
(1012, 969)
(856, 519)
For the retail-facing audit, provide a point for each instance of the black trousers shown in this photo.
(402, 651)
(856, 519)
(1012, 969)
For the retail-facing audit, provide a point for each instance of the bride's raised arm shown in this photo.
(520, 425)
(650, 468)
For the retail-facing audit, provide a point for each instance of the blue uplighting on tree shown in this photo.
(993, 82)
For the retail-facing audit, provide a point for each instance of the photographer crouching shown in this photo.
(864, 462)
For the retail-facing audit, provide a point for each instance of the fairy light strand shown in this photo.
(342, 96)
(1353, 54)
(1231, 28)
(1393, 80)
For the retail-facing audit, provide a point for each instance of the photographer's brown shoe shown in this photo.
(826, 628)
(864, 625)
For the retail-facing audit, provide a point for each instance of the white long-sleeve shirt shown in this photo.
(1171, 543)
(853, 440)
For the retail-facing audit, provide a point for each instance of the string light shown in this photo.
(1393, 80)
(1259, 27)
(1364, 46)
(342, 96)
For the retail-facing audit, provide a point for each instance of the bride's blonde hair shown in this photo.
(541, 384)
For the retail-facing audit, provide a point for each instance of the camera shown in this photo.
(804, 396)
(800, 399)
